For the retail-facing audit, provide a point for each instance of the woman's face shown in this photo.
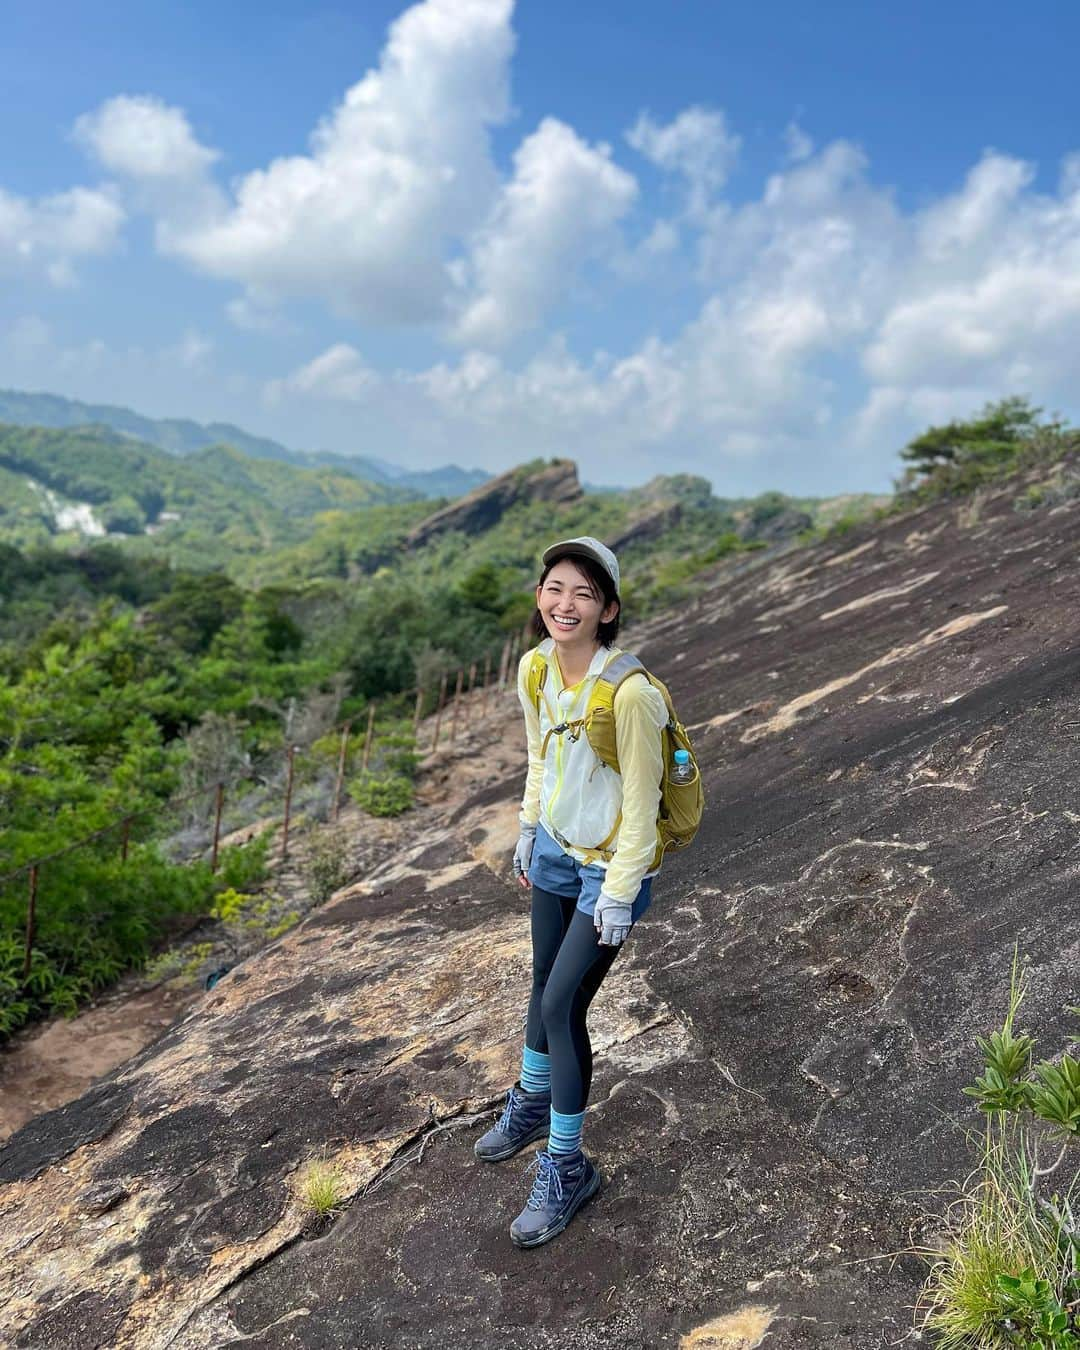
(571, 608)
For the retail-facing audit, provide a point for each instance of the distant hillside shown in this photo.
(180, 436)
(213, 507)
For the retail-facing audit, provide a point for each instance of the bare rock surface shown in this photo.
(485, 506)
(888, 730)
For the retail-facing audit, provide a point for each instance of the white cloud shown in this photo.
(698, 144)
(142, 137)
(560, 206)
(832, 326)
(797, 144)
(398, 214)
(339, 373)
(991, 297)
(397, 173)
(970, 215)
(48, 235)
(193, 349)
(257, 314)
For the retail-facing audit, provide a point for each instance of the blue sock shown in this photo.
(564, 1136)
(535, 1071)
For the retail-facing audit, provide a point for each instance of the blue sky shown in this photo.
(761, 243)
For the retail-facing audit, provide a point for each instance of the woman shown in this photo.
(583, 904)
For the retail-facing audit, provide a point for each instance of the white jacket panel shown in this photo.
(573, 794)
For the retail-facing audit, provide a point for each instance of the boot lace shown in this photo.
(508, 1111)
(546, 1174)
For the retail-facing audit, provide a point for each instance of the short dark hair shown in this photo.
(602, 584)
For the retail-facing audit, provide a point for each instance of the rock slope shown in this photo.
(556, 482)
(888, 728)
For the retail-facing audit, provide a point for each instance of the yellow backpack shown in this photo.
(681, 804)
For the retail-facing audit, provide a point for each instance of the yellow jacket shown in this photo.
(572, 794)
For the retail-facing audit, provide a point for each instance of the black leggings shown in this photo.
(568, 965)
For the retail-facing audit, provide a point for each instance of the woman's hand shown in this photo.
(523, 855)
(612, 920)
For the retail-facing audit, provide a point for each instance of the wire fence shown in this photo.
(453, 706)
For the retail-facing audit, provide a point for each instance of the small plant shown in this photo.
(196, 957)
(382, 794)
(1007, 1271)
(326, 862)
(229, 905)
(321, 1188)
(1032, 1314)
(287, 921)
(164, 966)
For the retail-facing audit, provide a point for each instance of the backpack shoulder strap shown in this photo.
(618, 669)
(538, 669)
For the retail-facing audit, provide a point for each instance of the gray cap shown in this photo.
(585, 547)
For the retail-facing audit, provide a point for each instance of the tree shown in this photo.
(993, 435)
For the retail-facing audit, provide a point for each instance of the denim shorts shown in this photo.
(553, 870)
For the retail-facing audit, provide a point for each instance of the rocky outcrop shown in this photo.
(887, 729)
(648, 527)
(771, 530)
(556, 482)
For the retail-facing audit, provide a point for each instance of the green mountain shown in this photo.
(180, 436)
(215, 507)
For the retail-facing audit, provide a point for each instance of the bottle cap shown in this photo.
(682, 756)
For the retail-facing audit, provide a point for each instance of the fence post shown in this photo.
(340, 769)
(417, 711)
(367, 737)
(31, 919)
(125, 835)
(439, 713)
(487, 681)
(457, 705)
(288, 806)
(219, 801)
(469, 701)
(504, 664)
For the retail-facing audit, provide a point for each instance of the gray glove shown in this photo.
(523, 852)
(612, 919)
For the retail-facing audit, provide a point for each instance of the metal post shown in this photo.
(125, 835)
(457, 705)
(288, 806)
(367, 738)
(439, 712)
(219, 801)
(340, 769)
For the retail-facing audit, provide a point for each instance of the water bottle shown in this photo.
(683, 772)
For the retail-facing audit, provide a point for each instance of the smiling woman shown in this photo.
(586, 895)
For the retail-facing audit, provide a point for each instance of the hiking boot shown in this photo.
(526, 1116)
(564, 1181)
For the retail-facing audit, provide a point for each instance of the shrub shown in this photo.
(382, 794)
(242, 865)
(326, 862)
